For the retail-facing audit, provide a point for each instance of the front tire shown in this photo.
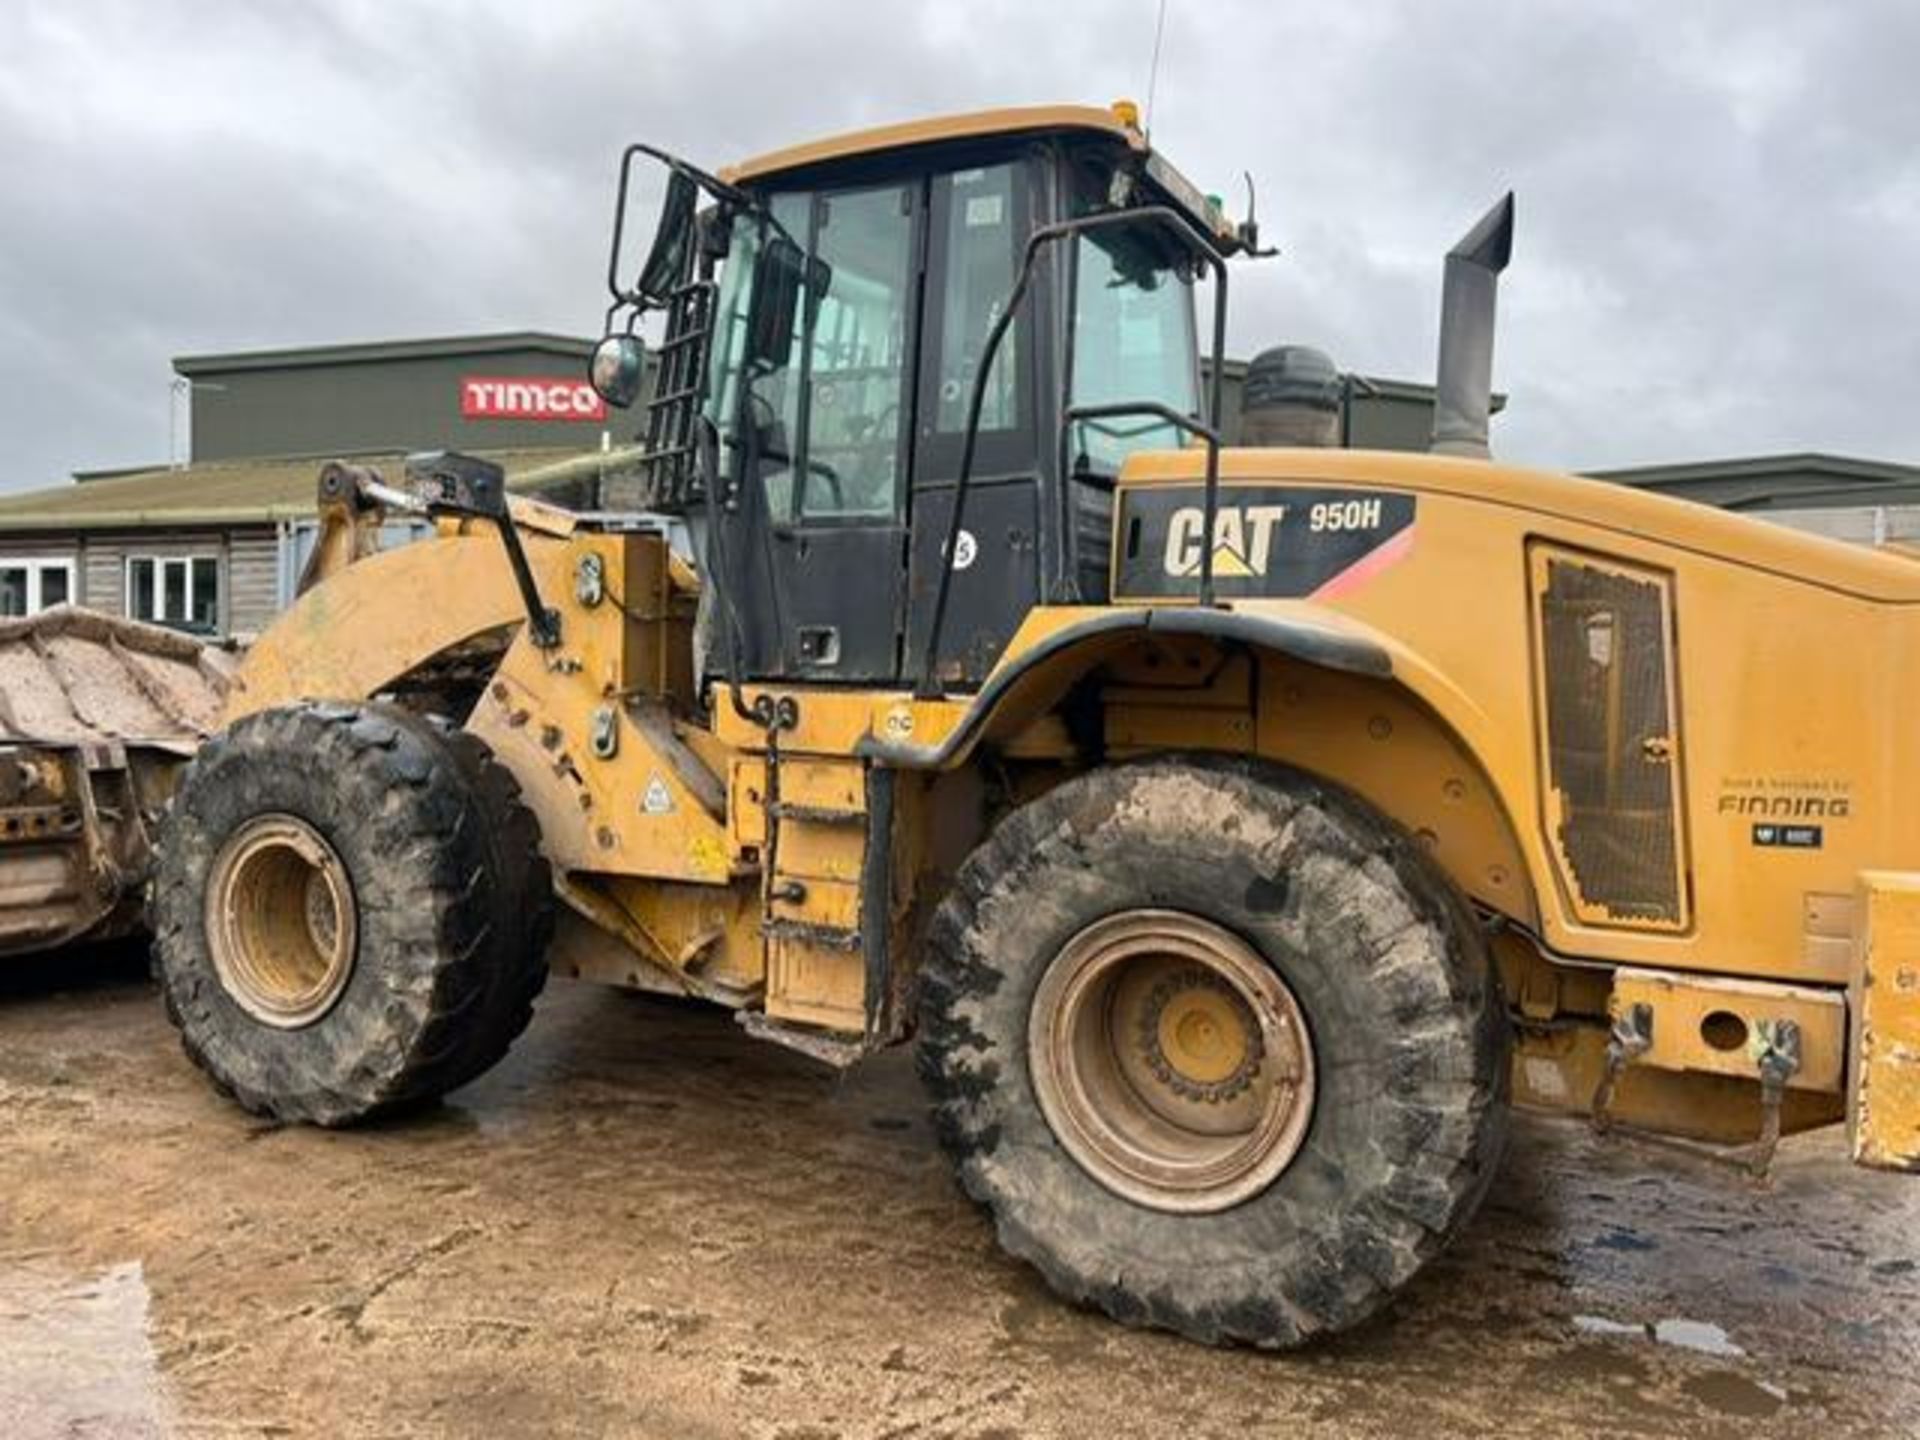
(1217, 1045)
(522, 920)
(338, 919)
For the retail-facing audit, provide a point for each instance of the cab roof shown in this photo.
(1117, 121)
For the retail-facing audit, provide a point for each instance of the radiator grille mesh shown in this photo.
(1609, 741)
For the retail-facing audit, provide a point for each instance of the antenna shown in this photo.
(1153, 70)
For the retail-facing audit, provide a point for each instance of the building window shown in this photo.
(29, 586)
(178, 590)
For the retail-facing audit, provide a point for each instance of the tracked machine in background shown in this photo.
(1237, 832)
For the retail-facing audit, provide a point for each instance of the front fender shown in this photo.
(364, 627)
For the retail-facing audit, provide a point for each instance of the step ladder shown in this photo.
(827, 896)
(669, 470)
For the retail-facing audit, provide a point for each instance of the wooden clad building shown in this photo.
(214, 542)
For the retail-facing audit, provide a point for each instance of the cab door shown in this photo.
(819, 536)
(978, 221)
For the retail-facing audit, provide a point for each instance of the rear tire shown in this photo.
(1196, 1206)
(335, 908)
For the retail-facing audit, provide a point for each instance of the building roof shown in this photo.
(976, 124)
(1800, 481)
(1375, 387)
(441, 347)
(221, 492)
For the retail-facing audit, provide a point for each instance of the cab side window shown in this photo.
(977, 222)
(856, 346)
(975, 209)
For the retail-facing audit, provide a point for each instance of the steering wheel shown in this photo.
(835, 493)
(761, 452)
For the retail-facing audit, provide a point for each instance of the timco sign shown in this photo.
(528, 397)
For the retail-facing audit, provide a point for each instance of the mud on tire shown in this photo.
(424, 835)
(1408, 1038)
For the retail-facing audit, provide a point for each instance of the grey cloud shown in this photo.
(1719, 202)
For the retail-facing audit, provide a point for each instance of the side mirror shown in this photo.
(779, 274)
(617, 369)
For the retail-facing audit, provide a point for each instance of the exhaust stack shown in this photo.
(1463, 399)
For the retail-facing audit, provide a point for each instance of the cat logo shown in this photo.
(1242, 539)
(1271, 541)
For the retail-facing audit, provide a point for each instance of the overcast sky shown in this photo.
(1719, 203)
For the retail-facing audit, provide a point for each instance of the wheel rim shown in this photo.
(1170, 1061)
(281, 921)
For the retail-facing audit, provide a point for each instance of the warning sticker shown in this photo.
(656, 799)
(983, 210)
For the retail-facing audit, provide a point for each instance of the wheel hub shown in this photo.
(281, 921)
(1199, 1038)
(1171, 1061)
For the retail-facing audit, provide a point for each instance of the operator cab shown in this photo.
(837, 305)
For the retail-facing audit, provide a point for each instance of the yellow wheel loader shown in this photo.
(1237, 833)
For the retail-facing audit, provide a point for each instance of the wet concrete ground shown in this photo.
(648, 1224)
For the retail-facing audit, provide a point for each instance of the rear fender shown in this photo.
(1324, 692)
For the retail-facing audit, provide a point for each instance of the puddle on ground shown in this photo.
(1726, 1391)
(1695, 1335)
(75, 1355)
